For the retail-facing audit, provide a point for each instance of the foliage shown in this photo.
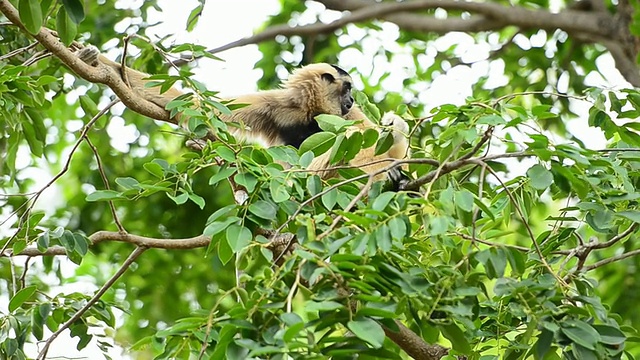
(509, 249)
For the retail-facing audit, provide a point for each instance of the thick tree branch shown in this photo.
(95, 74)
(592, 24)
(448, 167)
(485, 16)
(414, 345)
(140, 241)
(567, 20)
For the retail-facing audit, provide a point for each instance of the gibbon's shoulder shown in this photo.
(312, 72)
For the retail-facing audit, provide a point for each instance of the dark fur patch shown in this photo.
(328, 77)
(295, 135)
(340, 71)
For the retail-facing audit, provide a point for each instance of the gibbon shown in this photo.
(286, 116)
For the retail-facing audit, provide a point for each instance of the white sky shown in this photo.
(228, 20)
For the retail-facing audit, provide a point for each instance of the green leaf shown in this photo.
(279, 191)
(29, 132)
(37, 324)
(332, 123)
(39, 318)
(492, 120)
(81, 244)
(20, 297)
(68, 241)
(330, 198)
(610, 335)
(238, 237)
(67, 30)
(217, 226)
(632, 215)
(314, 185)
(43, 241)
(30, 15)
(457, 338)
(18, 246)
(322, 306)
(75, 9)
(384, 143)
(153, 168)
(368, 330)
(88, 105)
(464, 199)
(383, 238)
(354, 145)
(369, 137)
(580, 333)
(224, 173)
(248, 180)
(382, 200)
(46, 80)
(263, 209)
(398, 228)
(180, 199)
(225, 252)
(128, 183)
(582, 353)
(197, 199)
(104, 195)
(539, 177)
(226, 153)
(543, 344)
(318, 143)
(194, 16)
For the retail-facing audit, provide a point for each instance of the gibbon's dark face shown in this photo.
(343, 84)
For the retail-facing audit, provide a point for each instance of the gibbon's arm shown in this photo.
(366, 159)
(286, 116)
(91, 55)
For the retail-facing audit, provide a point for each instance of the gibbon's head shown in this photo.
(324, 89)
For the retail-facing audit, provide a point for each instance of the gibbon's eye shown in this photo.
(346, 87)
(328, 77)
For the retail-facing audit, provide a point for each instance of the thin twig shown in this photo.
(486, 242)
(294, 287)
(18, 51)
(526, 225)
(612, 259)
(348, 208)
(65, 168)
(106, 184)
(614, 239)
(127, 263)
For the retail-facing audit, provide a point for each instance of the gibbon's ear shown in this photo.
(328, 77)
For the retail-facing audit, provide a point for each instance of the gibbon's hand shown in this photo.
(89, 54)
(398, 179)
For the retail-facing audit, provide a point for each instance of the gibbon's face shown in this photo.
(341, 84)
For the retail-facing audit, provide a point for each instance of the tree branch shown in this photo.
(140, 241)
(612, 259)
(454, 165)
(132, 257)
(488, 16)
(567, 20)
(413, 344)
(96, 74)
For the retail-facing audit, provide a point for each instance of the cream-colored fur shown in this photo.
(302, 96)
